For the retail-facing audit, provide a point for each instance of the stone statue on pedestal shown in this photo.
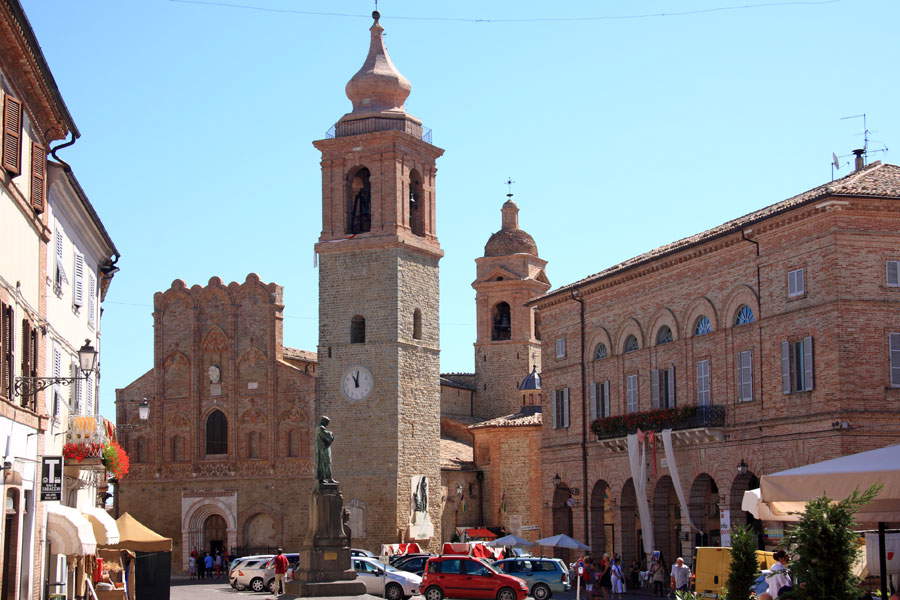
(325, 568)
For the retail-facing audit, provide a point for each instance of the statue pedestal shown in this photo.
(325, 568)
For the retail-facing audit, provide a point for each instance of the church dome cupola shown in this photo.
(510, 239)
(378, 86)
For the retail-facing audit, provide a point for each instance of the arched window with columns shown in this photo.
(216, 433)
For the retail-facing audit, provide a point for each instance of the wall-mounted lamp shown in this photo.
(742, 467)
(557, 480)
(87, 362)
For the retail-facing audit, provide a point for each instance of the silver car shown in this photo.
(250, 573)
(385, 580)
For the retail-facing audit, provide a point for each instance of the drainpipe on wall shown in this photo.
(759, 303)
(576, 296)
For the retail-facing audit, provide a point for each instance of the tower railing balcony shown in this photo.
(372, 124)
(689, 424)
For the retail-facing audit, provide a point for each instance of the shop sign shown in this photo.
(51, 478)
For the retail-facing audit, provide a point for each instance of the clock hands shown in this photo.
(356, 379)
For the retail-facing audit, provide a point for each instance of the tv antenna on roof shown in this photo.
(864, 151)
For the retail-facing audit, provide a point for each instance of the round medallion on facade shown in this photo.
(357, 383)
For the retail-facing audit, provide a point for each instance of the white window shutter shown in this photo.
(654, 388)
(801, 281)
(894, 351)
(79, 392)
(893, 273)
(78, 290)
(57, 362)
(606, 407)
(671, 384)
(785, 367)
(747, 370)
(566, 409)
(594, 393)
(89, 395)
(808, 363)
(92, 299)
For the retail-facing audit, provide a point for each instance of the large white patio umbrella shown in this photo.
(561, 540)
(509, 540)
(786, 492)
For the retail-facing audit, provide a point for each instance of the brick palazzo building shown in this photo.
(225, 458)
(765, 343)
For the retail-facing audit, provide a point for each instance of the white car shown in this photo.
(250, 574)
(385, 580)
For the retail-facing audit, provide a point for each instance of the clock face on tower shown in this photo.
(357, 383)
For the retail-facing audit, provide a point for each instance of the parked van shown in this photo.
(713, 565)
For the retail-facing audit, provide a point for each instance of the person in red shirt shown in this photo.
(281, 566)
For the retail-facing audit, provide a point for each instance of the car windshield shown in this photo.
(388, 568)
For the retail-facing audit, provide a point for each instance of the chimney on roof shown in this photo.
(859, 161)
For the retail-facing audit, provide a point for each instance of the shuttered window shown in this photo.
(561, 409)
(703, 393)
(59, 278)
(91, 300)
(38, 177)
(78, 401)
(7, 350)
(631, 393)
(662, 387)
(78, 284)
(12, 135)
(29, 361)
(893, 273)
(600, 400)
(561, 348)
(797, 366)
(796, 282)
(745, 376)
(90, 393)
(894, 356)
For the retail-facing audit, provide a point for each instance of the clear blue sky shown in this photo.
(622, 134)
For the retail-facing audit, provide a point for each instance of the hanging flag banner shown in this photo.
(51, 478)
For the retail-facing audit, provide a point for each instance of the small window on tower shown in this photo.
(417, 324)
(359, 217)
(502, 326)
(416, 209)
(358, 330)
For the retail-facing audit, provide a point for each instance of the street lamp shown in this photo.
(143, 415)
(742, 467)
(144, 409)
(87, 363)
(557, 480)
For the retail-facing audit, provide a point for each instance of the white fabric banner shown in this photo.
(676, 478)
(637, 459)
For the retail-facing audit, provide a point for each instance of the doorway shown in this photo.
(215, 534)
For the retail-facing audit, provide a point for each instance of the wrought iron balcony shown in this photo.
(688, 423)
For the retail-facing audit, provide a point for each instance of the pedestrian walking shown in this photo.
(192, 566)
(217, 564)
(779, 579)
(208, 564)
(680, 576)
(635, 575)
(280, 563)
(657, 575)
(603, 577)
(618, 578)
(201, 567)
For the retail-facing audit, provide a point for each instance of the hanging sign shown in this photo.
(51, 478)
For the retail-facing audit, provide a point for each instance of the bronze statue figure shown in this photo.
(324, 439)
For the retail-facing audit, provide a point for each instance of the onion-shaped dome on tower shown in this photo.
(532, 381)
(510, 239)
(378, 86)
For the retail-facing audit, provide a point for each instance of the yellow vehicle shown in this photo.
(712, 566)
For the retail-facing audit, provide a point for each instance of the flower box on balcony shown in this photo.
(683, 417)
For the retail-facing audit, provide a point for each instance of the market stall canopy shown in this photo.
(561, 540)
(786, 492)
(105, 529)
(480, 532)
(509, 540)
(133, 535)
(68, 531)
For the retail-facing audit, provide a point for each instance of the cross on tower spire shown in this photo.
(509, 183)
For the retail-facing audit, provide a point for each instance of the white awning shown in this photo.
(68, 531)
(105, 529)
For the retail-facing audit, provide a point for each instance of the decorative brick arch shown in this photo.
(195, 511)
(213, 293)
(631, 326)
(176, 375)
(628, 507)
(701, 307)
(601, 336)
(742, 294)
(663, 317)
(215, 340)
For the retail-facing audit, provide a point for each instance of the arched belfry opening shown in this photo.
(358, 330)
(359, 202)
(501, 321)
(416, 204)
(216, 433)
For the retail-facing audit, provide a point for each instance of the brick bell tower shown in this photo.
(379, 374)
(507, 346)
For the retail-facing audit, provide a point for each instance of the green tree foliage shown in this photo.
(824, 547)
(744, 565)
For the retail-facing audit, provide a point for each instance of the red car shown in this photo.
(467, 577)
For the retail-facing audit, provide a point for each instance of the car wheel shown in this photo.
(393, 592)
(271, 587)
(257, 584)
(541, 591)
(435, 593)
(505, 594)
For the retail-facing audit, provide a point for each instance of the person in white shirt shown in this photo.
(680, 576)
(779, 577)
